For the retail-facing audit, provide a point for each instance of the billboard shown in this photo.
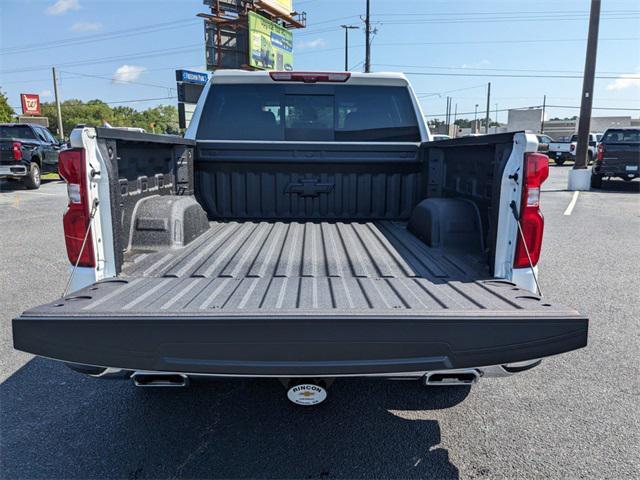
(283, 6)
(270, 45)
(30, 103)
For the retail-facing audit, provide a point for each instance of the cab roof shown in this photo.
(355, 78)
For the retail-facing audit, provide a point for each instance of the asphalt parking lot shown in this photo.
(574, 416)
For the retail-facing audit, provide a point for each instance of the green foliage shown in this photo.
(96, 112)
(6, 112)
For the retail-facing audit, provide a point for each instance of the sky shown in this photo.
(125, 52)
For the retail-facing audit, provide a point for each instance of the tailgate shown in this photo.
(621, 156)
(506, 325)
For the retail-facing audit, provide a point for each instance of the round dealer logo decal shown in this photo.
(307, 394)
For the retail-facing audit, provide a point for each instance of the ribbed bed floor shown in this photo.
(343, 268)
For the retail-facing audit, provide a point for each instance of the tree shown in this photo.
(6, 112)
(96, 112)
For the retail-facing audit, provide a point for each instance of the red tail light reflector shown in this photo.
(536, 171)
(72, 168)
(17, 151)
(600, 152)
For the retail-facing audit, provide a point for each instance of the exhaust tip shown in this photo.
(150, 379)
(452, 377)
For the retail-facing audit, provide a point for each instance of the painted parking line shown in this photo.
(572, 203)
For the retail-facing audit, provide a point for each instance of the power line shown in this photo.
(505, 75)
(537, 106)
(515, 12)
(496, 69)
(94, 61)
(133, 82)
(472, 42)
(99, 37)
(554, 18)
(424, 95)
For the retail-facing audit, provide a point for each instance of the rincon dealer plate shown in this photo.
(307, 394)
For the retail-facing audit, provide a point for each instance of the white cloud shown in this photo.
(626, 81)
(127, 73)
(45, 93)
(86, 26)
(62, 6)
(481, 63)
(317, 43)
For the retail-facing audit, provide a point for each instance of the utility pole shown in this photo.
(475, 120)
(367, 47)
(544, 108)
(496, 129)
(587, 87)
(455, 117)
(447, 115)
(579, 177)
(486, 120)
(59, 110)
(346, 44)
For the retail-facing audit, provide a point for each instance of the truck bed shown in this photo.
(317, 268)
(288, 298)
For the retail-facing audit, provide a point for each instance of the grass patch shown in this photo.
(50, 176)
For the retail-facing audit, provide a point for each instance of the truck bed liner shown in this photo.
(318, 267)
(286, 299)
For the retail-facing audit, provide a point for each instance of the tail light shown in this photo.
(310, 77)
(72, 167)
(17, 151)
(600, 152)
(536, 171)
(572, 147)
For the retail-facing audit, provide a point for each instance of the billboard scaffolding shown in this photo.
(250, 34)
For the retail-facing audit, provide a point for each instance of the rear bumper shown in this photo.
(303, 346)
(607, 170)
(560, 155)
(17, 170)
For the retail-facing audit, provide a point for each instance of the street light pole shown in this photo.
(346, 44)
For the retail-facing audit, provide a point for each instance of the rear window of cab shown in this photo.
(332, 113)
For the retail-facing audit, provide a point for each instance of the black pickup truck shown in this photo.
(618, 156)
(26, 152)
(306, 228)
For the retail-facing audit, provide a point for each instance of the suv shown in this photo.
(618, 156)
(27, 151)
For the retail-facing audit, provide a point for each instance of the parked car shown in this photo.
(618, 156)
(560, 152)
(543, 142)
(313, 248)
(26, 152)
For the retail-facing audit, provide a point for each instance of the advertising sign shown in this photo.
(270, 45)
(284, 6)
(192, 77)
(30, 103)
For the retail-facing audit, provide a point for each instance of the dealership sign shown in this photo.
(270, 45)
(192, 77)
(30, 104)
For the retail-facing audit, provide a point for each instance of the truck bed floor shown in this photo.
(324, 268)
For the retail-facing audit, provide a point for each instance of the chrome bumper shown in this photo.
(493, 371)
(13, 170)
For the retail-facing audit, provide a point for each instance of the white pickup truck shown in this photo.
(560, 152)
(306, 228)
